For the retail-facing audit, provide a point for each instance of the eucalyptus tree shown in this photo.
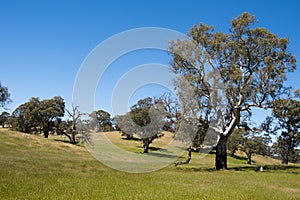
(4, 96)
(287, 112)
(49, 111)
(4, 116)
(145, 119)
(36, 115)
(25, 117)
(249, 62)
(103, 120)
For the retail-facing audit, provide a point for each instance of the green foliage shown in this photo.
(103, 120)
(37, 115)
(4, 96)
(287, 112)
(146, 119)
(4, 118)
(25, 117)
(235, 141)
(249, 142)
(250, 62)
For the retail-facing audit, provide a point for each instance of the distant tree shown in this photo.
(38, 116)
(3, 118)
(4, 96)
(172, 110)
(145, 119)
(250, 142)
(252, 63)
(254, 144)
(69, 128)
(235, 141)
(128, 125)
(150, 123)
(49, 111)
(103, 119)
(287, 112)
(25, 117)
(280, 150)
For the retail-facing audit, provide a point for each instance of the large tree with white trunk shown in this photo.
(249, 62)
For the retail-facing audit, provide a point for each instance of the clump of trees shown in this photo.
(285, 123)
(37, 116)
(45, 116)
(287, 112)
(250, 142)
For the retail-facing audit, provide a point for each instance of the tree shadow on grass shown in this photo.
(133, 139)
(245, 168)
(256, 168)
(240, 158)
(62, 140)
(159, 152)
(67, 142)
(159, 155)
(269, 168)
(282, 167)
(153, 148)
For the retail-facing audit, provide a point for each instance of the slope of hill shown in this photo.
(32, 167)
(198, 160)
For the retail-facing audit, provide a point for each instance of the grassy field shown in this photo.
(32, 167)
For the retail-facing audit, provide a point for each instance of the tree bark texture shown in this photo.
(249, 155)
(221, 153)
(146, 144)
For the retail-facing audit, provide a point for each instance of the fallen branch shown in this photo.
(187, 160)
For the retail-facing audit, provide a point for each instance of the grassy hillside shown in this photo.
(32, 167)
(196, 162)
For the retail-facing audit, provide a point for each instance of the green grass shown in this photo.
(32, 167)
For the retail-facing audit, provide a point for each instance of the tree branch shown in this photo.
(231, 126)
(64, 133)
(187, 161)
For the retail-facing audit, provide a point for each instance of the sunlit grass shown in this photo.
(32, 167)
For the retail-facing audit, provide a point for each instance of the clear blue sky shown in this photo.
(43, 43)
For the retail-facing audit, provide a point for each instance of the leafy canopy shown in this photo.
(248, 64)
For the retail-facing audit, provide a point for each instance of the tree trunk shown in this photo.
(46, 130)
(73, 137)
(46, 133)
(146, 145)
(232, 152)
(129, 137)
(249, 158)
(285, 159)
(221, 153)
